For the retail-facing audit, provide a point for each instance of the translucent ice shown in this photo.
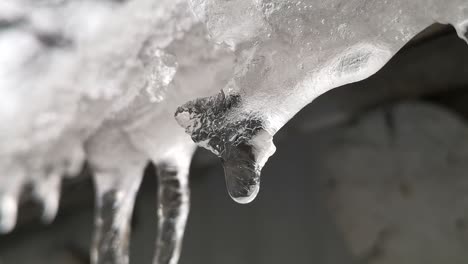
(118, 170)
(243, 146)
(10, 190)
(141, 128)
(47, 189)
(288, 53)
(107, 77)
(110, 74)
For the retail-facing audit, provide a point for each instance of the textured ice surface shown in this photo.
(142, 128)
(101, 80)
(288, 53)
(113, 89)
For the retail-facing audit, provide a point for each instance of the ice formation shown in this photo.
(288, 53)
(101, 81)
(110, 95)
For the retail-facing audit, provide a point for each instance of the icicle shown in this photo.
(173, 209)
(47, 191)
(11, 186)
(75, 162)
(462, 30)
(115, 200)
(243, 145)
(118, 171)
(8, 212)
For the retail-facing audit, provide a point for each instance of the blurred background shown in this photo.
(372, 173)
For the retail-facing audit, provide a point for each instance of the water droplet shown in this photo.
(241, 173)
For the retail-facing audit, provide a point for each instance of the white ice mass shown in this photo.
(101, 80)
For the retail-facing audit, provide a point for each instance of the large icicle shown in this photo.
(116, 70)
(289, 53)
(173, 207)
(118, 170)
(243, 146)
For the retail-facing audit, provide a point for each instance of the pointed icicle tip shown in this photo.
(8, 213)
(50, 206)
(47, 192)
(462, 30)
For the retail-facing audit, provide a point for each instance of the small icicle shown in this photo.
(462, 30)
(11, 185)
(242, 177)
(76, 162)
(47, 191)
(173, 209)
(8, 212)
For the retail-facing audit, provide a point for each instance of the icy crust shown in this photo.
(54, 91)
(65, 69)
(233, 139)
(204, 118)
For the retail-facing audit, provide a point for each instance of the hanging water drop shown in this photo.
(243, 145)
(462, 30)
(242, 176)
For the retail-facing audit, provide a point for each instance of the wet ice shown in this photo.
(108, 76)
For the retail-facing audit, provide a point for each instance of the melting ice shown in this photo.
(101, 81)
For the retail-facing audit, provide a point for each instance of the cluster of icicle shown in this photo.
(101, 80)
